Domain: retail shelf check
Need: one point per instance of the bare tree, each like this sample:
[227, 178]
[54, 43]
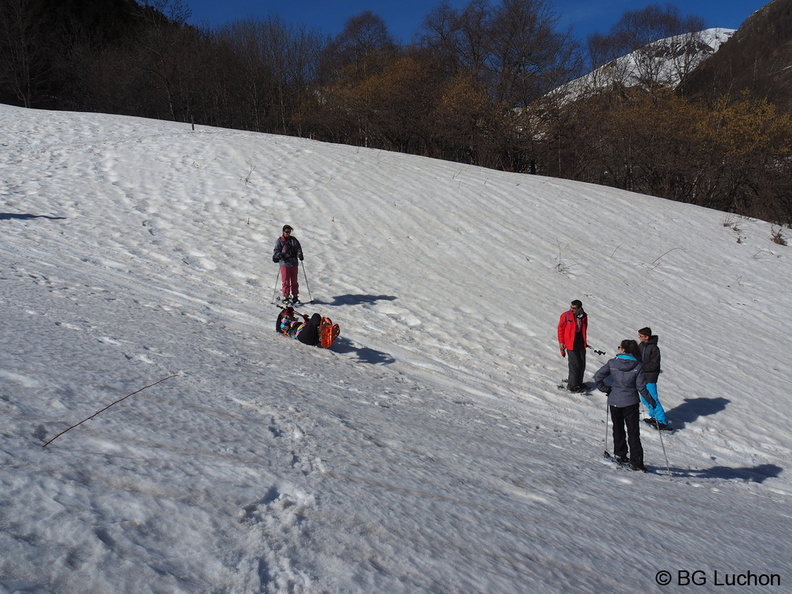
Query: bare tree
[293, 55]
[460, 37]
[24, 57]
[637, 33]
[173, 11]
[359, 50]
[278, 64]
[160, 43]
[686, 50]
[528, 58]
[513, 54]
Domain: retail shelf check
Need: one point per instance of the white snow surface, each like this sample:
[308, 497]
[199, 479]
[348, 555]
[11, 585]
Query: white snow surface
[430, 449]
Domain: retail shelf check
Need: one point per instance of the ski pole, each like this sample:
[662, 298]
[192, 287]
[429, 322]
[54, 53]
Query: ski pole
[660, 432]
[607, 410]
[310, 297]
[275, 289]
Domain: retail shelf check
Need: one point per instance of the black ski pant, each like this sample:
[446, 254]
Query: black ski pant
[629, 417]
[310, 332]
[577, 364]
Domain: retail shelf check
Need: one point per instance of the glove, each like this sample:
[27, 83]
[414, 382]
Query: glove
[300, 257]
[276, 259]
[563, 353]
[607, 390]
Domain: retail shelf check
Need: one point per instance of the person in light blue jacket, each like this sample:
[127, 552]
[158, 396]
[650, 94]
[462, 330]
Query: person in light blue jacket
[627, 382]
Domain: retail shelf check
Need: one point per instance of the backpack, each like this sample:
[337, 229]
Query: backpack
[328, 332]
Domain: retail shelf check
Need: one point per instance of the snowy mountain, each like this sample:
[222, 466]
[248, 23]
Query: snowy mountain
[666, 62]
[430, 449]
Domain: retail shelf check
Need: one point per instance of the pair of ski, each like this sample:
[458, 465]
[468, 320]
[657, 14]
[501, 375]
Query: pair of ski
[282, 303]
[622, 465]
[585, 389]
[652, 424]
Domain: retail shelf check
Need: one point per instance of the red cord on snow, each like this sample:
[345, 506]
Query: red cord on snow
[108, 406]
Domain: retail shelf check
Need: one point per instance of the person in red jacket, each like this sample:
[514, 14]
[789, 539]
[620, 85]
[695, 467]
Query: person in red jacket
[572, 327]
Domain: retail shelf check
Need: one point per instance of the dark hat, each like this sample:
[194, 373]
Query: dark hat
[647, 331]
[287, 228]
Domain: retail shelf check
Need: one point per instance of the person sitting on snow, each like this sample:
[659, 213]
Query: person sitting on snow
[299, 326]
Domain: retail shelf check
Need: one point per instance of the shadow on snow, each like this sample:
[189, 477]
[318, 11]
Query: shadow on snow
[6, 216]
[754, 474]
[364, 354]
[693, 408]
[354, 299]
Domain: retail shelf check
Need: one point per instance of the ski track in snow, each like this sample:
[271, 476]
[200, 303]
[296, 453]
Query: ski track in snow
[429, 450]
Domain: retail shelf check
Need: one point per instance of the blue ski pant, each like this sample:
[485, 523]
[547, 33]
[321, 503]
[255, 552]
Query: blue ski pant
[656, 412]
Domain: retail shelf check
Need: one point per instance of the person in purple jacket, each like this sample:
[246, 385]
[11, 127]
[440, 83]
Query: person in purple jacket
[626, 373]
[288, 253]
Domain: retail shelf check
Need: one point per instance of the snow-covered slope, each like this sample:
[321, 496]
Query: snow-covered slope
[665, 61]
[429, 450]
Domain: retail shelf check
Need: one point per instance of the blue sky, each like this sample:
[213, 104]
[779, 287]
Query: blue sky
[404, 17]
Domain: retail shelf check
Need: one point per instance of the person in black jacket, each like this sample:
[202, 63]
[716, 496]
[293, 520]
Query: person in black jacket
[627, 381]
[650, 357]
[288, 253]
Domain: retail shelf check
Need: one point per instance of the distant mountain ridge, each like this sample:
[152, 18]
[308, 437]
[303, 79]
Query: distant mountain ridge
[664, 62]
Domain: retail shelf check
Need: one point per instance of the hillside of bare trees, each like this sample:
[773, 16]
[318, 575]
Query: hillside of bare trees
[758, 59]
[477, 87]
